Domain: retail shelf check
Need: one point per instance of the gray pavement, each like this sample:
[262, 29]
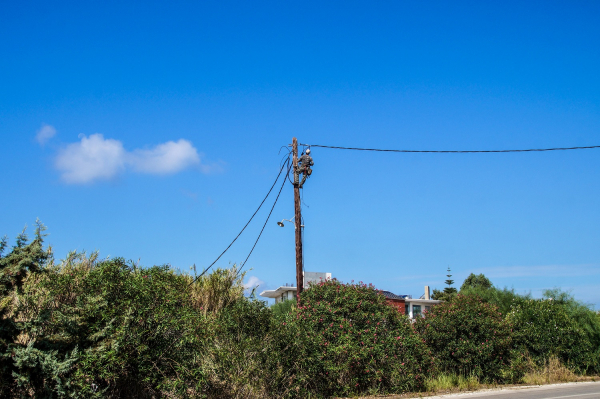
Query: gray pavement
[576, 390]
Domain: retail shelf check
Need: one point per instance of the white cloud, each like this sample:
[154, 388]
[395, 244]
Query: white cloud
[252, 283]
[93, 158]
[45, 133]
[169, 157]
[96, 158]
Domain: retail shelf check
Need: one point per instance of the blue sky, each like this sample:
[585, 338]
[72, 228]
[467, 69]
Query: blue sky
[152, 131]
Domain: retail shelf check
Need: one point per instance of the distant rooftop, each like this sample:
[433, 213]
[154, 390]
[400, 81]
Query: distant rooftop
[391, 295]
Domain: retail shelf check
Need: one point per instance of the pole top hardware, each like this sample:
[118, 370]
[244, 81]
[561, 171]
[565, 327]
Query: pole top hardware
[280, 224]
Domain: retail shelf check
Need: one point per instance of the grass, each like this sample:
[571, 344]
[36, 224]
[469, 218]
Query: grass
[553, 371]
[452, 382]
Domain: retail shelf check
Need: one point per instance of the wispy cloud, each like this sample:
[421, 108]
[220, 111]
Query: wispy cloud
[166, 158]
[45, 133]
[96, 158]
[541, 270]
[252, 283]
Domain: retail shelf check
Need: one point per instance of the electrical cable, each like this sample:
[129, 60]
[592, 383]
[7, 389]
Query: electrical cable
[264, 225]
[244, 228]
[454, 152]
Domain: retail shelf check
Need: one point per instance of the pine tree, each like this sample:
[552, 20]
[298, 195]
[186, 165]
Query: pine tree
[449, 282]
[449, 292]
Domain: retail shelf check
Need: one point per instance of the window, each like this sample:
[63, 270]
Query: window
[416, 310]
[407, 309]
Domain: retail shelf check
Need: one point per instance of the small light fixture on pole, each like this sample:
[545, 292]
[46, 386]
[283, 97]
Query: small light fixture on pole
[280, 224]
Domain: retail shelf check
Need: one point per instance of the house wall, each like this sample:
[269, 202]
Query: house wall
[418, 307]
[286, 295]
[397, 303]
[315, 278]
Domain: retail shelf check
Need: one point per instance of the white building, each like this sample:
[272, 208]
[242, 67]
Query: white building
[417, 307]
[411, 307]
[286, 292]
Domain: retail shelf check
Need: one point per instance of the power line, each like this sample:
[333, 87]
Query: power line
[266, 221]
[283, 165]
[453, 152]
[244, 228]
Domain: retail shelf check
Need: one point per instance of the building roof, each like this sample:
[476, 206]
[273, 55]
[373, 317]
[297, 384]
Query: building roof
[423, 301]
[391, 295]
[276, 293]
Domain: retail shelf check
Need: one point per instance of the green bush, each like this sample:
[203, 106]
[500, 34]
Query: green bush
[242, 360]
[283, 307]
[467, 337]
[107, 328]
[586, 318]
[23, 259]
[348, 341]
[543, 329]
[86, 327]
[505, 299]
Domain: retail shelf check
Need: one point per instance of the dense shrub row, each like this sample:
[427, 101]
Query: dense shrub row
[87, 327]
[468, 337]
[354, 342]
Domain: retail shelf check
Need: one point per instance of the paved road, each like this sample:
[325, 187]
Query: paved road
[578, 390]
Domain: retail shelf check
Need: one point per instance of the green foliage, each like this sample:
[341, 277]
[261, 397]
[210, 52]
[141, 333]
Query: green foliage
[352, 341]
[107, 328]
[447, 382]
[583, 314]
[476, 281]
[543, 329]
[92, 328]
[442, 295]
[467, 337]
[216, 291]
[504, 299]
[283, 307]
[559, 327]
[15, 267]
[243, 359]
[24, 258]
[130, 328]
[449, 290]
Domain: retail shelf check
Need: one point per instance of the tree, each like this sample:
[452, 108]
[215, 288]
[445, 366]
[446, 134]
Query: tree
[441, 295]
[23, 259]
[476, 281]
[467, 337]
[448, 293]
[543, 328]
[346, 340]
[449, 282]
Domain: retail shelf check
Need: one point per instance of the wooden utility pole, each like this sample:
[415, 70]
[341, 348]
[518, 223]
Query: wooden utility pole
[298, 221]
